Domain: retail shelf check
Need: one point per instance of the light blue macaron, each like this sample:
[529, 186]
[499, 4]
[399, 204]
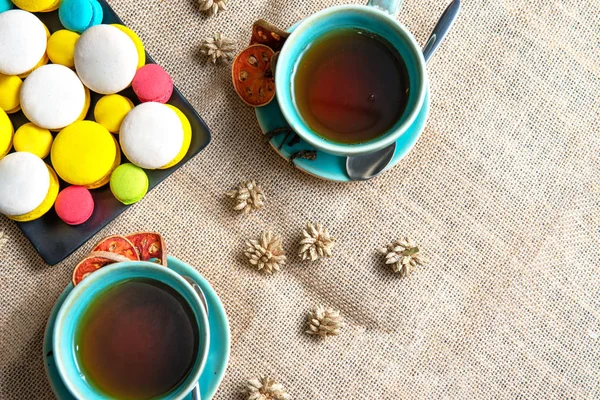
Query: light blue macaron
[98, 13]
[79, 15]
[5, 5]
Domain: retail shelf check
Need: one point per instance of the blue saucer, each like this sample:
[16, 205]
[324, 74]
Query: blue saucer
[328, 166]
[218, 354]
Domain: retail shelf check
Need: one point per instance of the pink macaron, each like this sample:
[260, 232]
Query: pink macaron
[74, 205]
[152, 84]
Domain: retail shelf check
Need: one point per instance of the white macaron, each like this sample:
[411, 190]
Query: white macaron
[151, 135]
[24, 183]
[23, 42]
[52, 97]
[106, 59]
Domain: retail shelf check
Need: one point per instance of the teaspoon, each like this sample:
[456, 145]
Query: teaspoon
[367, 166]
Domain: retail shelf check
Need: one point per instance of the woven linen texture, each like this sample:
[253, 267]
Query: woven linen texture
[501, 192]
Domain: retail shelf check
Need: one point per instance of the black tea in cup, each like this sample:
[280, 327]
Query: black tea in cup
[351, 86]
[138, 340]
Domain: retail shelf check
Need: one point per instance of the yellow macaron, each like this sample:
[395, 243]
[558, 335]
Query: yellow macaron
[37, 5]
[30, 137]
[6, 134]
[86, 105]
[10, 89]
[61, 47]
[46, 204]
[187, 137]
[139, 46]
[85, 154]
[110, 111]
[53, 7]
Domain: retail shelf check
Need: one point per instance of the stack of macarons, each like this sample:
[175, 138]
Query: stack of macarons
[49, 78]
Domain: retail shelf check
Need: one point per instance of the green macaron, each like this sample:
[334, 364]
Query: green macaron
[129, 183]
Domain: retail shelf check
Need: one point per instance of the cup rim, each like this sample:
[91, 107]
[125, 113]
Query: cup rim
[98, 275]
[345, 149]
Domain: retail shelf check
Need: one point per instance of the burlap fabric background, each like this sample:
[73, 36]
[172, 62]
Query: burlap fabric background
[501, 191]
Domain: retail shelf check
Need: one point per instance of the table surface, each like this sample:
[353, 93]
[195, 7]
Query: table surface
[501, 192]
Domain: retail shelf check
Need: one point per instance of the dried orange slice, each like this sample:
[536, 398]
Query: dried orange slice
[264, 32]
[253, 79]
[93, 262]
[150, 246]
[119, 245]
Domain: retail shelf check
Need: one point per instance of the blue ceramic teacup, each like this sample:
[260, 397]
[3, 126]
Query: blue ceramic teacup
[379, 17]
[85, 293]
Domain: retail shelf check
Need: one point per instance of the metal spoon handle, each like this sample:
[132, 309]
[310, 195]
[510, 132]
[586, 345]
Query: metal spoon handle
[194, 284]
[441, 29]
[196, 393]
[197, 289]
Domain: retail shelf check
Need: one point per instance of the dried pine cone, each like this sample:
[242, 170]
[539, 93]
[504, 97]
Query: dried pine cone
[316, 242]
[3, 239]
[403, 255]
[324, 322]
[218, 48]
[266, 253]
[248, 197]
[265, 388]
[212, 6]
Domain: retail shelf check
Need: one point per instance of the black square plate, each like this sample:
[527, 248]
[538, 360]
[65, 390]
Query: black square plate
[53, 239]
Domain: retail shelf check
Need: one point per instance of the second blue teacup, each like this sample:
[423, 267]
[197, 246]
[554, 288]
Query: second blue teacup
[131, 330]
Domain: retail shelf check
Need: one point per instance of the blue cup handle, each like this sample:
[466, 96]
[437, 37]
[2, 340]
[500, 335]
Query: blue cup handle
[392, 7]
